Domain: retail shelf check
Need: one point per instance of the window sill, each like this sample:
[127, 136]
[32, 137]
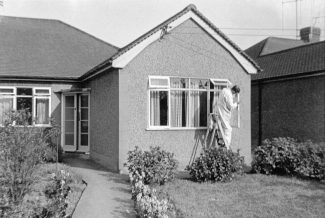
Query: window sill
[175, 128]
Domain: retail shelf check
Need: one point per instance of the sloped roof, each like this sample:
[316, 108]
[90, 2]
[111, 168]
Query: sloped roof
[42, 48]
[159, 27]
[304, 59]
[272, 44]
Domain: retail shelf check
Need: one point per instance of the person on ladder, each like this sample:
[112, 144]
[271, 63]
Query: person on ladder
[224, 108]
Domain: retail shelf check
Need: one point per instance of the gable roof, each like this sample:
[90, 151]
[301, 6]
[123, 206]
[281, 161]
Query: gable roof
[42, 48]
[127, 53]
[304, 59]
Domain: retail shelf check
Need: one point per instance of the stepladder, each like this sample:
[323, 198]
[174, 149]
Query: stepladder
[214, 132]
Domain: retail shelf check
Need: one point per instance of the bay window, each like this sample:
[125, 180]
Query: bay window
[37, 101]
[177, 102]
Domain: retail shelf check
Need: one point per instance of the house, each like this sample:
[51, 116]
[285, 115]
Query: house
[288, 96]
[156, 91]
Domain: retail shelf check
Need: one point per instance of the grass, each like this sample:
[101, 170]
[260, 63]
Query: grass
[42, 177]
[250, 195]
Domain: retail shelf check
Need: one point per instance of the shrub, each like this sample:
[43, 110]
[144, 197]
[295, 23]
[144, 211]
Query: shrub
[146, 201]
[278, 155]
[157, 165]
[287, 156]
[311, 161]
[216, 164]
[21, 150]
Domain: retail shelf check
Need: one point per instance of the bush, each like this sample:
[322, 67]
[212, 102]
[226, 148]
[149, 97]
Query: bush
[146, 201]
[216, 164]
[287, 156]
[157, 165]
[21, 150]
[311, 161]
[276, 156]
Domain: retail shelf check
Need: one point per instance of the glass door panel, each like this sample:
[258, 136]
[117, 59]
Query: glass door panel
[70, 123]
[83, 122]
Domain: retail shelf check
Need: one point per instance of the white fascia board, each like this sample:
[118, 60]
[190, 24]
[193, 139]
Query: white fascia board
[124, 59]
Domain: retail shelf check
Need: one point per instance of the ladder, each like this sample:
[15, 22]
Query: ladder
[214, 127]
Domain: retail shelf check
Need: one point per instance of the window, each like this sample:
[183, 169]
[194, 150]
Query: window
[176, 102]
[35, 100]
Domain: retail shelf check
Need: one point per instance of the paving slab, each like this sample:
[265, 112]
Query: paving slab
[107, 194]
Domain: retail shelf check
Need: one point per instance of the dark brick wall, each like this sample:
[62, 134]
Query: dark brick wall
[293, 108]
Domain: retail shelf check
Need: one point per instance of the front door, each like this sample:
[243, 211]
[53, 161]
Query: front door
[75, 126]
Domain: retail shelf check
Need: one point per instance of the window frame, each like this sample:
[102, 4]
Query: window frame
[34, 96]
[208, 90]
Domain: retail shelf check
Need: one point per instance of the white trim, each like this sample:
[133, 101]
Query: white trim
[175, 128]
[125, 58]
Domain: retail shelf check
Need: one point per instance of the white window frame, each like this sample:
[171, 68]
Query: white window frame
[34, 96]
[189, 108]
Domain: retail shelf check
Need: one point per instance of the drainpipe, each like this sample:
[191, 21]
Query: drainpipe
[260, 116]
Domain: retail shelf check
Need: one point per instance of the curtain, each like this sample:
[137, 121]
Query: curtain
[6, 104]
[42, 111]
[154, 108]
[195, 105]
[178, 104]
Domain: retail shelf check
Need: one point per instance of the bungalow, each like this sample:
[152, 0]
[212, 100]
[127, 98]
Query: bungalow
[156, 91]
[288, 97]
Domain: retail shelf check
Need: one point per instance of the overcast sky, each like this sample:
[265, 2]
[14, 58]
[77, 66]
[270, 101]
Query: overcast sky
[121, 21]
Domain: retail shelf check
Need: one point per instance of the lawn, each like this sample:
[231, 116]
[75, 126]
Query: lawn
[250, 195]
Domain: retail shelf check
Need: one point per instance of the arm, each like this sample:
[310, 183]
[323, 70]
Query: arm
[230, 104]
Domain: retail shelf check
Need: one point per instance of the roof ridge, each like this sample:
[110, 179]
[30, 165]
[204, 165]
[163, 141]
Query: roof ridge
[293, 48]
[84, 32]
[30, 18]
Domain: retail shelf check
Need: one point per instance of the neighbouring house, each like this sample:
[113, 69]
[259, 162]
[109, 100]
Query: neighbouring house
[288, 96]
[156, 91]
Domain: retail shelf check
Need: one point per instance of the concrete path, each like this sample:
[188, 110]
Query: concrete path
[107, 194]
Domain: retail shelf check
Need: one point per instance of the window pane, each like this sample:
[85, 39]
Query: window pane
[203, 109]
[158, 108]
[84, 114]
[159, 81]
[69, 101]
[69, 139]
[198, 110]
[84, 100]
[84, 126]
[25, 104]
[69, 114]
[7, 90]
[42, 91]
[199, 83]
[179, 104]
[69, 126]
[179, 83]
[6, 105]
[24, 91]
[42, 111]
[84, 139]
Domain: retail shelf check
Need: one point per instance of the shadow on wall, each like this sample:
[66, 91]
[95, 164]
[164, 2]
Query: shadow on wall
[199, 144]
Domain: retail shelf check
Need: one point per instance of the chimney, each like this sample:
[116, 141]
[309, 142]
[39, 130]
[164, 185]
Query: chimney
[310, 34]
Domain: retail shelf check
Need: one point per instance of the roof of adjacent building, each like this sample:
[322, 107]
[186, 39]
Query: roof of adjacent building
[137, 41]
[280, 57]
[42, 48]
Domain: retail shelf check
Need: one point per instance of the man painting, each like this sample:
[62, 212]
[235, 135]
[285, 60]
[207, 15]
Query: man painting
[225, 106]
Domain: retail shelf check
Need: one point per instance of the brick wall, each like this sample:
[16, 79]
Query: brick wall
[290, 108]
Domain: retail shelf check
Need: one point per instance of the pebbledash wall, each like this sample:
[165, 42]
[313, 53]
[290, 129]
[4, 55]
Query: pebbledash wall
[174, 55]
[104, 119]
[289, 108]
[56, 87]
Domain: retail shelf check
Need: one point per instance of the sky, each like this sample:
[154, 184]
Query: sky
[119, 22]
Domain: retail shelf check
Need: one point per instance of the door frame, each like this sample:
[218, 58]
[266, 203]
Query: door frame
[79, 123]
[76, 122]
